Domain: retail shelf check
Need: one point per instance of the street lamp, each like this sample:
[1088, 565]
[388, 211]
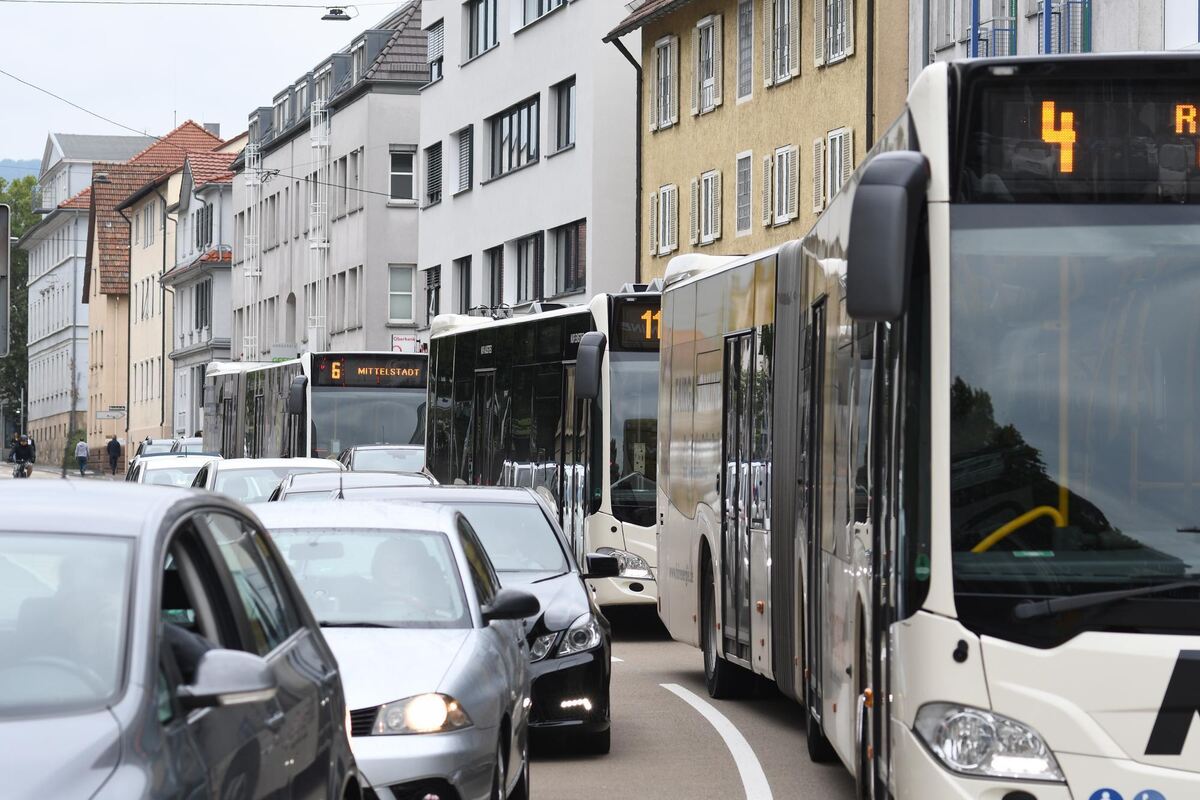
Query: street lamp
[336, 15]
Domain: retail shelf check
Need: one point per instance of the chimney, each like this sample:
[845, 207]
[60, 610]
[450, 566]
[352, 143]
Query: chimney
[214, 128]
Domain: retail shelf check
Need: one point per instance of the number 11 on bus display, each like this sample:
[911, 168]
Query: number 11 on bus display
[653, 320]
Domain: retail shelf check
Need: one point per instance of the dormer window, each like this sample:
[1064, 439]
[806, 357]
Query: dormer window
[322, 85]
[357, 61]
[302, 99]
[280, 115]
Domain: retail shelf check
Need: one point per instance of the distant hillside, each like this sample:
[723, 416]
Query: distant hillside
[19, 167]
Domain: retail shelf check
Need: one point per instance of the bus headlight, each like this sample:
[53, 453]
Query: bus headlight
[979, 743]
[632, 566]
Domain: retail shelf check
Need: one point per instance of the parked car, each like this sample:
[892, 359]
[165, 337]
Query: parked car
[168, 469]
[154, 645]
[330, 486]
[190, 444]
[384, 458]
[570, 641]
[252, 480]
[149, 447]
[430, 646]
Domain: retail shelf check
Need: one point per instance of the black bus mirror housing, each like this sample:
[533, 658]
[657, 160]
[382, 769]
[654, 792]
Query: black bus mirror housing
[587, 365]
[884, 221]
[296, 392]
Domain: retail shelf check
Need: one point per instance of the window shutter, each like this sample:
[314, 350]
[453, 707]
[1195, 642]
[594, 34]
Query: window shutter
[848, 22]
[653, 93]
[768, 50]
[465, 152]
[715, 206]
[695, 73]
[793, 182]
[653, 237]
[673, 217]
[794, 36]
[673, 86]
[767, 194]
[847, 155]
[717, 59]
[818, 166]
[694, 219]
[435, 43]
[819, 32]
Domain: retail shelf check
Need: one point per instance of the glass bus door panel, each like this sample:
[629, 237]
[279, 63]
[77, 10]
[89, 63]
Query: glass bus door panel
[812, 392]
[575, 465]
[735, 495]
[483, 449]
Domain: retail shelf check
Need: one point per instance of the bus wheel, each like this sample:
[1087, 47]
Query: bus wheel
[819, 748]
[724, 680]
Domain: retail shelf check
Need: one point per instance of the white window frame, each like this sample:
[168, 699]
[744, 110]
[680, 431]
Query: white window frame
[667, 235]
[400, 150]
[745, 60]
[781, 38]
[779, 173]
[835, 155]
[709, 226]
[836, 48]
[665, 92]
[412, 270]
[748, 157]
[706, 68]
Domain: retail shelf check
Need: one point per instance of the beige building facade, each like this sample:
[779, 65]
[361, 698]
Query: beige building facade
[753, 114]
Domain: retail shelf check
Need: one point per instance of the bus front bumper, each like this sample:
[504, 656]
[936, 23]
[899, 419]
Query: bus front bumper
[624, 591]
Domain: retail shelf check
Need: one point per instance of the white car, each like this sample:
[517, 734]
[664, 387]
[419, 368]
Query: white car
[169, 469]
[251, 480]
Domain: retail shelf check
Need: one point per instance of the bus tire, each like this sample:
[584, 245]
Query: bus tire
[723, 679]
[820, 751]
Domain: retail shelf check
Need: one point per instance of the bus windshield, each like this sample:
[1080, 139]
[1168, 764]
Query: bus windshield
[1075, 365]
[343, 418]
[634, 444]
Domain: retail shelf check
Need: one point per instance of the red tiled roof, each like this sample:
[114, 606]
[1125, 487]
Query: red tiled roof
[648, 11]
[173, 148]
[107, 227]
[210, 168]
[83, 200]
[224, 254]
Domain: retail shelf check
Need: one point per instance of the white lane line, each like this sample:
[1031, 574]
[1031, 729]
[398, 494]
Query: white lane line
[614, 658]
[754, 780]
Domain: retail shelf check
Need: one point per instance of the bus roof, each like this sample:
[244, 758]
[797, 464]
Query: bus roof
[447, 324]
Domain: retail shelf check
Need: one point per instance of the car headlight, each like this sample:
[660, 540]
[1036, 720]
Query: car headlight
[632, 566]
[425, 713]
[584, 634]
[541, 646]
[981, 743]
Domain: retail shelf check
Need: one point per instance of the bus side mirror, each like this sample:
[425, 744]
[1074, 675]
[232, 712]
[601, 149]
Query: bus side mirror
[296, 392]
[883, 235]
[587, 365]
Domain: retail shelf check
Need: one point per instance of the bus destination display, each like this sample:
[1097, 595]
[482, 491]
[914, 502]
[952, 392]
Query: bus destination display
[637, 325]
[364, 371]
[1087, 141]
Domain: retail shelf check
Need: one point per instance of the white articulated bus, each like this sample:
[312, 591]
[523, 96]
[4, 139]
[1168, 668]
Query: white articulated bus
[506, 410]
[934, 469]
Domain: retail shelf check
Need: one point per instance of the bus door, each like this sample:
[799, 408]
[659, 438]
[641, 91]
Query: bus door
[483, 445]
[574, 489]
[738, 375]
[812, 384]
[256, 435]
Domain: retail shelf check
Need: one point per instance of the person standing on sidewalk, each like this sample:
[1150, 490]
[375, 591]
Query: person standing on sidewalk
[114, 453]
[81, 455]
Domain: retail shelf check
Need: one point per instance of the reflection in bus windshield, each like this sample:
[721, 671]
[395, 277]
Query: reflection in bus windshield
[634, 444]
[344, 418]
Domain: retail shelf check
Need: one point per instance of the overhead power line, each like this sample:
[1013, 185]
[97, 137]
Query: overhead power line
[197, 3]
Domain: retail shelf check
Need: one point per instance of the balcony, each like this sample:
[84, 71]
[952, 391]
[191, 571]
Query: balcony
[42, 199]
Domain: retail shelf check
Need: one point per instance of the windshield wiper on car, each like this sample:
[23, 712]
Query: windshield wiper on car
[1188, 529]
[354, 625]
[1032, 609]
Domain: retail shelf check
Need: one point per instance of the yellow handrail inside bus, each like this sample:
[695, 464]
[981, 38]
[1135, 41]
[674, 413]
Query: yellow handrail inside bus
[1003, 531]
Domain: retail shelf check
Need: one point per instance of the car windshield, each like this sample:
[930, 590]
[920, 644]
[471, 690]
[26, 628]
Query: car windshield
[1074, 394]
[390, 459]
[634, 446]
[369, 577]
[516, 536]
[310, 496]
[155, 449]
[171, 476]
[63, 611]
[253, 485]
[344, 418]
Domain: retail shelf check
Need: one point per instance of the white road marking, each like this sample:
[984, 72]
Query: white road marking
[754, 780]
[614, 658]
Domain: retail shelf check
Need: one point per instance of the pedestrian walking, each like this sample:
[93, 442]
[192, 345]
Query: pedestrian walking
[114, 453]
[81, 455]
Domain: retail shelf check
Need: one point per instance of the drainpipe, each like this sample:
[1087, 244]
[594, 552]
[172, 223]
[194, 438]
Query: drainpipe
[871, 74]
[637, 200]
[128, 340]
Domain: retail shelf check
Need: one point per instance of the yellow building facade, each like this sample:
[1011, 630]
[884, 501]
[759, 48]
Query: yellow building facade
[754, 112]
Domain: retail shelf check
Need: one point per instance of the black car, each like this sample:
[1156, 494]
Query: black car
[328, 485]
[570, 640]
[154, 645]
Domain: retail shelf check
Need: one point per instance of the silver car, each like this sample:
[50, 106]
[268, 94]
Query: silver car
[251, 480]
[432, 651]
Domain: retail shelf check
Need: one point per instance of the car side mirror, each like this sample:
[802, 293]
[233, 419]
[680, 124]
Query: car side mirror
[296, 392]
[599, 566]
[587, 365]
[884, 223]
[229, 678]
[511, 604]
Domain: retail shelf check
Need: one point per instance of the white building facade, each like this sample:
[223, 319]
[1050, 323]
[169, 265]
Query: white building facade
[325, 231]
[528, 162]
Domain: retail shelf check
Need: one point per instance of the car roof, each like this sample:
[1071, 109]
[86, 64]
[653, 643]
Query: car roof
[180, 460]
[102, 508]
[387, 447]
[272, 463]
[352, 480]
[340, 516]
[449, 493]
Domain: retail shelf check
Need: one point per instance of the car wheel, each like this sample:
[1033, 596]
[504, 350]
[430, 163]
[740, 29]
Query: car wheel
[522, 790]
[500, 775]
[597, 744]
[722, 678]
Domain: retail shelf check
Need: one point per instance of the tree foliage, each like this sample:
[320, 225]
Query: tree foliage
[14, 369]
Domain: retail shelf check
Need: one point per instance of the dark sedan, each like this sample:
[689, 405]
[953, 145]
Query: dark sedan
[570, 640]
[153, 644]
[329, 485]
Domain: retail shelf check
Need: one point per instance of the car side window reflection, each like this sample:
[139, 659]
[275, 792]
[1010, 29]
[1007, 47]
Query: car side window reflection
[482, 575]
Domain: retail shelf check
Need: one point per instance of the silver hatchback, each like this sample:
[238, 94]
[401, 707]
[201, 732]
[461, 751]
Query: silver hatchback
[432, 651]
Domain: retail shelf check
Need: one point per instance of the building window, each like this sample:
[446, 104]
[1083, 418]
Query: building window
[435, 43]
[705, 224]
[462, 280]
[202, 230]
[745, 66]
[514, 135]
[433, 292]
[400, 293]
[664, 220]
[743, 192]
[481, 26]
[433, 174]
[564, 114]
[837, 27]
[495, 267]
[357, 62]
[570, 257]
[466, 157]
[202, 300]
[706, 65]
[529, 268]
[840, 160]
[539, 8]
[781, 39]
[664, 92]
[402, 178]
[784, 180]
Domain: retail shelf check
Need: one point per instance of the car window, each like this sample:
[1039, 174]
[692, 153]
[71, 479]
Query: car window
[398, 459]
[173, 476]
[201, 479]
[482, 574]
[517, 536]
[263, 598]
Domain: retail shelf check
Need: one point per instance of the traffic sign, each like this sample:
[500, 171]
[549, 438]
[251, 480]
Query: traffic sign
[109, 414]
[122, 409]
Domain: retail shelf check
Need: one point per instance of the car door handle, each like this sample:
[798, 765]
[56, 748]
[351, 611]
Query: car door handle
[276, 720]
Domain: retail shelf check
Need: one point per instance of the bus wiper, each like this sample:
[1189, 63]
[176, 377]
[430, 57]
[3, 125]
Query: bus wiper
[1189, 529]
[353, 625]
[1031, 609]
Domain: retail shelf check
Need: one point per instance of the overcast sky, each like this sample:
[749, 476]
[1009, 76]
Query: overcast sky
[151, 67]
